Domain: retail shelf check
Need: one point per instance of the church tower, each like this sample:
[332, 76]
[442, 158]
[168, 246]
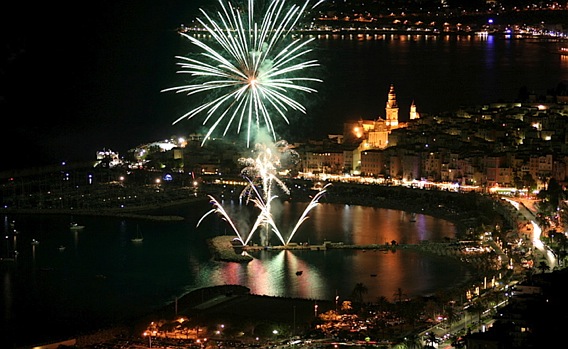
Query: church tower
[392, 109]
[413, 113]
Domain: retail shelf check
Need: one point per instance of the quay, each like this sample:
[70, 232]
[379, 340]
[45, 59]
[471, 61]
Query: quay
[225, 248]
[327, 245]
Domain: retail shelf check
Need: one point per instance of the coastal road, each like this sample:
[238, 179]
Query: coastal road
[541, 252]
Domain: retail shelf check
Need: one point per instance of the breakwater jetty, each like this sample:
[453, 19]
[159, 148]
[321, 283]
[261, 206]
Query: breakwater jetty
[327, 245]
[118, 213]
[481, 256]
[227, 248]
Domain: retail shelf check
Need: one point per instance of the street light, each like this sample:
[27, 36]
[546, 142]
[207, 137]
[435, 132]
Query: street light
[149, 335]
[294, 328]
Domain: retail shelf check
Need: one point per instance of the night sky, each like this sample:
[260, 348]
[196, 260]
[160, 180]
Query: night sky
[75, 79]
[80, 78]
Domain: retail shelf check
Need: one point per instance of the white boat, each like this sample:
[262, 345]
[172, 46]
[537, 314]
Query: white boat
[75, 226]
[61, 248]
[138, 237]
[35, 242]
[412, 217]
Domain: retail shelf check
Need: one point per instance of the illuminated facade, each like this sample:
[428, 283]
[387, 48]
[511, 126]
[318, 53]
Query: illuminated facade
[372, 163]
[358, 150]
[413, 113]
[378, 137]
[108, 158]
[374, 134]
[323, 161]
[391, 109]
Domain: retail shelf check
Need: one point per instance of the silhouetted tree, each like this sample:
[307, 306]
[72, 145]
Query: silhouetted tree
[554, 191]
[543, 267]
[430, 339]
[399, 296]
[523, 94]
[383, 304]
[451, 314]
[477, 308]
[358, 292]
[412, 341]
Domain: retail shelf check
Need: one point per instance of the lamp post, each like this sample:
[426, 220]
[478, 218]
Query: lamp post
[149, 335]
[294, 328]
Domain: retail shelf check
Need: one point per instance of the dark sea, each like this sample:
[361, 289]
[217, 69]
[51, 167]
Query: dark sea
[72, 281]
[101, 276]
[437, 73]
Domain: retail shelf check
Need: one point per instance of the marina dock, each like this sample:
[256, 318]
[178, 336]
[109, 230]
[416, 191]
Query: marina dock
[327, 245]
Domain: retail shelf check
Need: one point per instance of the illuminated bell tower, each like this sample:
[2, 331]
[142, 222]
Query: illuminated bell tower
[413, 113]
[392, 109]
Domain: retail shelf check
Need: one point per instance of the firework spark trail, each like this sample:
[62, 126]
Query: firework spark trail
[251, 66]
[263, 166]
[218, 208]
[265, 217]
[304, 215]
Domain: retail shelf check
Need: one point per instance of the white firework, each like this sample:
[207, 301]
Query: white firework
[250, 67]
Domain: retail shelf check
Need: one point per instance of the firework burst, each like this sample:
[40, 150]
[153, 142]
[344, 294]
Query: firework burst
[261, 195]
[249, 68]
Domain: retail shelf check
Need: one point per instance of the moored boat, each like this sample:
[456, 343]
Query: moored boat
[75, 226]
[412, 217]
[138, 237]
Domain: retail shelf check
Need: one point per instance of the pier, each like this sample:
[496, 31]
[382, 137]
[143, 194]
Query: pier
[327, 245]
[225, 248]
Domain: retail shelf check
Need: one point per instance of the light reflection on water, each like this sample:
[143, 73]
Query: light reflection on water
[102, 275]
[327, 273]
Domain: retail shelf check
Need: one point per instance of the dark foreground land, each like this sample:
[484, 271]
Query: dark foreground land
[207, 309]
[234, 304]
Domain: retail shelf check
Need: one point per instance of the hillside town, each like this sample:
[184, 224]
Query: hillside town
[512, 148]
[516, 145]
